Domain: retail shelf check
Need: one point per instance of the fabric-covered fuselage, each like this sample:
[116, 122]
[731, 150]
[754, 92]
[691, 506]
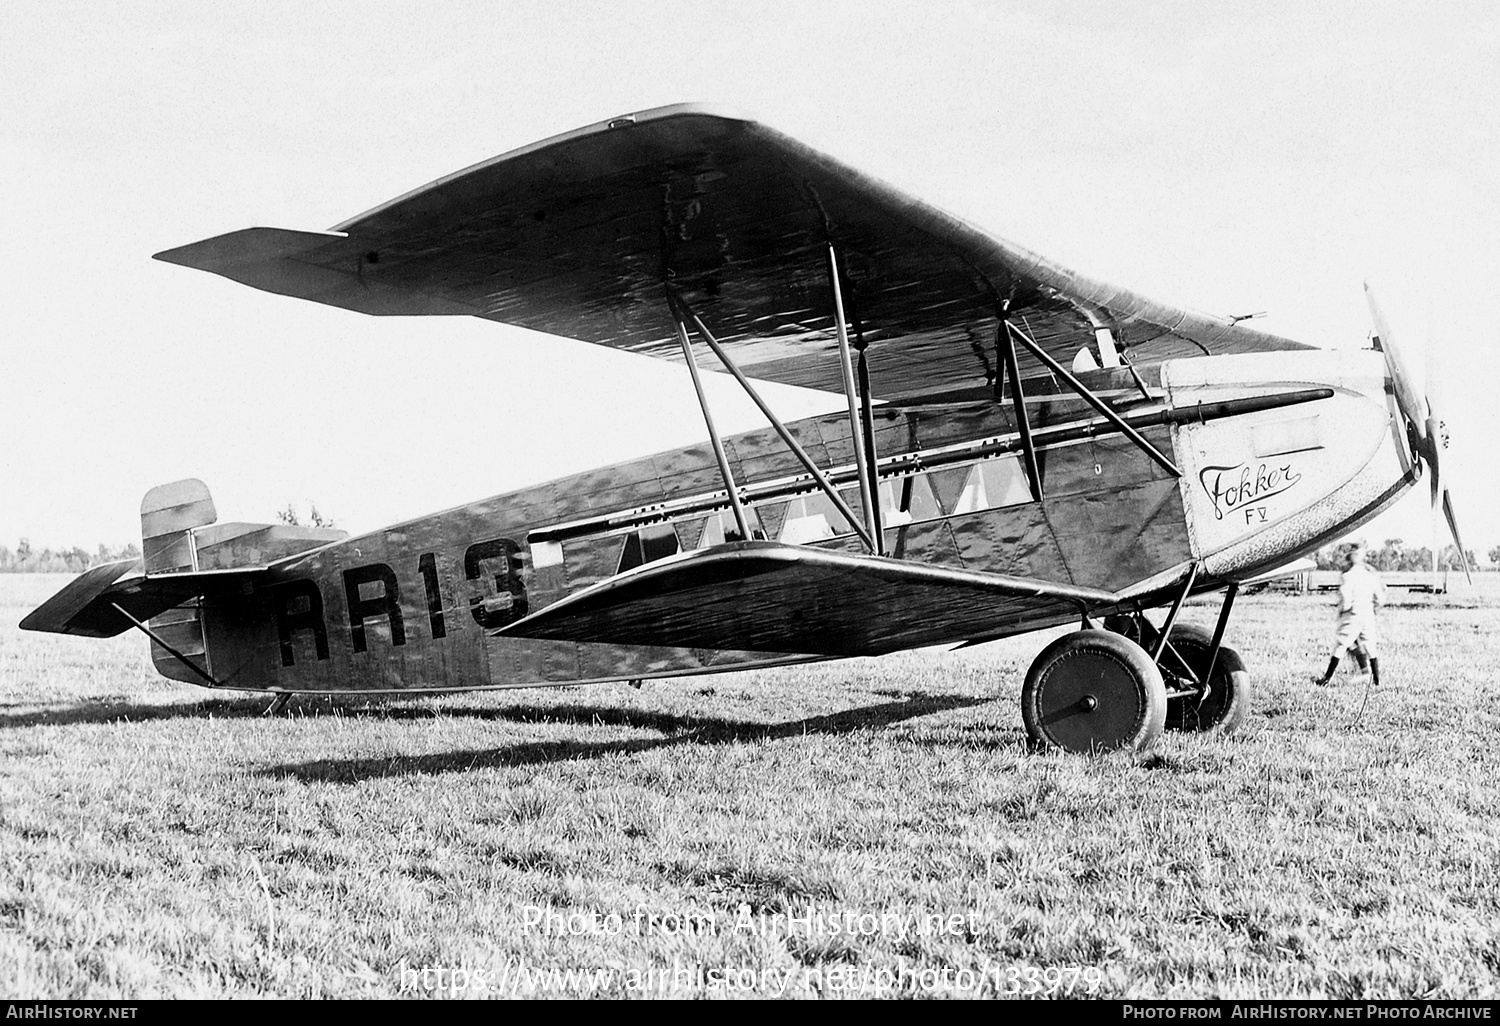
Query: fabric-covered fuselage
[414, 606]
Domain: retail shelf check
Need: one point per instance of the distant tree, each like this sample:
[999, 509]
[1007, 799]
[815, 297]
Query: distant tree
[1394, 557]
[29, 560]
[314, 517]
[1389, 556]
[1495, 556]
[1415, 560]
[1330, 557]
[1448, 558]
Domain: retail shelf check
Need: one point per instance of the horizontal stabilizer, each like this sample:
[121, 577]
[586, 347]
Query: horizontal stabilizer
[86, 607]
[770, 597]
[185, 555]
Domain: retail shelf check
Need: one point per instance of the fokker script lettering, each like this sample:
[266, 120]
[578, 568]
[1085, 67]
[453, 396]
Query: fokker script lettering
[1229, 488]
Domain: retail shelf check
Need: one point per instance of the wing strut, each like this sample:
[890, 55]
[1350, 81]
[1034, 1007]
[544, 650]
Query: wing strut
[867, 415]
[877, 524]
[708, 418]
[1018, 396]
[775, 421]
[1139, 382]
[856, 434]
[1093, 400]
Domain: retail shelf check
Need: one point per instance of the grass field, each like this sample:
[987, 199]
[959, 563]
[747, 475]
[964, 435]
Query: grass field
[158, 840]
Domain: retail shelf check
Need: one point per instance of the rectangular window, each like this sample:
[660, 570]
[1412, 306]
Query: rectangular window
[907, 500]
[724, 528]
[992, 484]
[1005, 481]
[811, 518]
[546, 553]
[647, 546]
[1286, 436]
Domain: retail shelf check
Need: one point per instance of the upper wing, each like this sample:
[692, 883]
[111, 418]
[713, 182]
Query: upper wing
[769, 597]
[576, 235]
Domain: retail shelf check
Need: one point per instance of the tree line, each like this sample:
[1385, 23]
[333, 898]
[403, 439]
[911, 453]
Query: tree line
[28, 560]
[1394, 556]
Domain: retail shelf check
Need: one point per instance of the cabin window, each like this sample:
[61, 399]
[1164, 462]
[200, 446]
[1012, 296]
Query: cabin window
[814, 517]
[724, 528]
[648, 545]
[908, 500]
[546, 553]
[992, 484]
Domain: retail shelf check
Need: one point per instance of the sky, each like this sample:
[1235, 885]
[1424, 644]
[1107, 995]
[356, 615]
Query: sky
[1230, 158]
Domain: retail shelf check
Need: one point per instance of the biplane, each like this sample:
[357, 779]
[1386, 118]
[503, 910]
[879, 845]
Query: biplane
[1018, 447]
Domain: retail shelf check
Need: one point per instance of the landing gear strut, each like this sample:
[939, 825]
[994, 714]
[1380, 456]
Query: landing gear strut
[1218, 708]
[1208, 685]
[1118, 688]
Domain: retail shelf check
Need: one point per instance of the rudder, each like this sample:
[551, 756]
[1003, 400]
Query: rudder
[169, 513]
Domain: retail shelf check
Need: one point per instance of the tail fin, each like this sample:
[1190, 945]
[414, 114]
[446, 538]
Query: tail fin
[169, 513]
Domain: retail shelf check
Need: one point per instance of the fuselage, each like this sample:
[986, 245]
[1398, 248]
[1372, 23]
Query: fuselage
[414, 606]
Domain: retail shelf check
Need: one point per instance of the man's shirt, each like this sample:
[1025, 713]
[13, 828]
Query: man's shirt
[1359, 591]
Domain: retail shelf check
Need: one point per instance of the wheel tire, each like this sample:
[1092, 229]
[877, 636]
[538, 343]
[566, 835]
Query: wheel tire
[1228, 701]
[1093, 691]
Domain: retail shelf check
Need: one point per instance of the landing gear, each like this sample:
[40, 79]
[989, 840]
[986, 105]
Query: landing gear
[1207, 694]
[1093, 691]
[1226, 702]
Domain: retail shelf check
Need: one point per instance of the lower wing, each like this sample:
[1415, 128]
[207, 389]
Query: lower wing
[770, 597]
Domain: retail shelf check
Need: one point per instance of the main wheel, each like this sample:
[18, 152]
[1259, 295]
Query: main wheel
[1093, 691]
[1227, 703]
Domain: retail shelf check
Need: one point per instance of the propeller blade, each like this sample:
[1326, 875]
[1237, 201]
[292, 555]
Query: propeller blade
[1435, 442]
[1463, 556]
[1408, 399]
[1421, 413]
[1435, 434]
[1432, 446]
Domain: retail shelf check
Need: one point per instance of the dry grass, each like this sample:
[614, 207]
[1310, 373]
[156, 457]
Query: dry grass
[156, 840]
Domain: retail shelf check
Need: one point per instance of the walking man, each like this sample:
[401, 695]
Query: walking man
[1360, 592]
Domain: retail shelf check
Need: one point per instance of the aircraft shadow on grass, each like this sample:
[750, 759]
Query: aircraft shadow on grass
[120, 709]
[690, 730]
[677, 728]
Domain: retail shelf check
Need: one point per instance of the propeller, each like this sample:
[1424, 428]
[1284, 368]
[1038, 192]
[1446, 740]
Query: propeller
[1425, 428]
